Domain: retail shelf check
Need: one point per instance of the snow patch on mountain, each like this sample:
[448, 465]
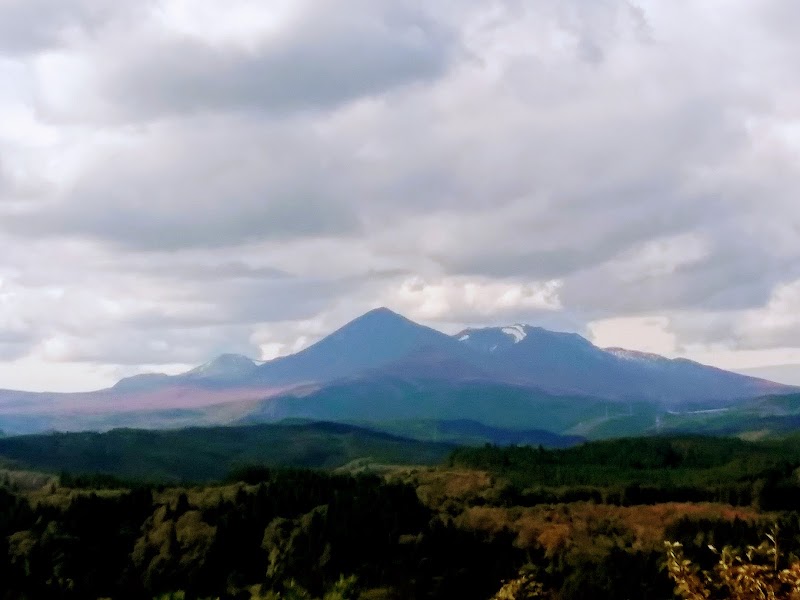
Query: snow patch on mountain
[517, 332]
[635, 355]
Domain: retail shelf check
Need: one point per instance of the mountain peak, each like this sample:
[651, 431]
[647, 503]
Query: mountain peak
[382, 313]
[378, 321]
[382, 310]
[372, 340]
[225, 365]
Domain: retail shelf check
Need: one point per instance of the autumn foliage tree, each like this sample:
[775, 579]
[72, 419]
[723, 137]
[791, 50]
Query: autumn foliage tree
[757, 573]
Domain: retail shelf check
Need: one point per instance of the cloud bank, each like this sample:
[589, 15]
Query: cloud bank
[179, 179]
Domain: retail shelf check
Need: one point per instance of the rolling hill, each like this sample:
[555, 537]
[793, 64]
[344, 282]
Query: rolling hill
[208, 454]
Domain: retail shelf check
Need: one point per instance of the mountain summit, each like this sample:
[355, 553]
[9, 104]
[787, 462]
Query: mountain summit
[374, 339]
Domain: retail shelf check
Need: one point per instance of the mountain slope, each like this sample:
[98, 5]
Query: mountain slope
[568, 363]
[219, 372]
[380, 398]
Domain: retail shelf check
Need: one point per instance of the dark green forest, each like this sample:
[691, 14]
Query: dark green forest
[647, 471]
[209, 454]
[586, 522]
[284, 529]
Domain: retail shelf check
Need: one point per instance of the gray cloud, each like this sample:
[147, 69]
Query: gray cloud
[323, 63]
[34, 25]
[212, 189]
[221, 271]
[15, 344]
[224, 183]
[6, 185]
[324, 57]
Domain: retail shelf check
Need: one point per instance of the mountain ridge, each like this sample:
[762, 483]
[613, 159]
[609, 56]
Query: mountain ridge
[372, 355]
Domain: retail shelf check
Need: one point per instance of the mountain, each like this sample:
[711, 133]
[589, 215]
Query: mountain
[382, 342]
[225, 366]
[143, 382]
[373, 340]
[568, 363]
[225, 369]
[383, 367]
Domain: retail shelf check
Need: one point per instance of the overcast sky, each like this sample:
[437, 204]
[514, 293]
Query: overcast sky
[181, 178]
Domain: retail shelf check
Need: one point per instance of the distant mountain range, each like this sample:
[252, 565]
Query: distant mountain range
[382, 367]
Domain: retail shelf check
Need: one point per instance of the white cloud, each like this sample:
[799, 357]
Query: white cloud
[647, 334]
[461, 300]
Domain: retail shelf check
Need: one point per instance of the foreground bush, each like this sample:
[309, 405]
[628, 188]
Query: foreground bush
[757, 573]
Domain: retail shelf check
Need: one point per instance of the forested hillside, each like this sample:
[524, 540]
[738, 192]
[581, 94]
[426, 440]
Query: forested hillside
[236, 541]
[207, 454]
[587, 522]
[648, 471]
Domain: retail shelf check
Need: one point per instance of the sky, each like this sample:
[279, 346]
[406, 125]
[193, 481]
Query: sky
[182, 178]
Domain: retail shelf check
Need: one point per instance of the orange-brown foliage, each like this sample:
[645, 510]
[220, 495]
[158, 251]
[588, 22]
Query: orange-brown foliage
[552, 526]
